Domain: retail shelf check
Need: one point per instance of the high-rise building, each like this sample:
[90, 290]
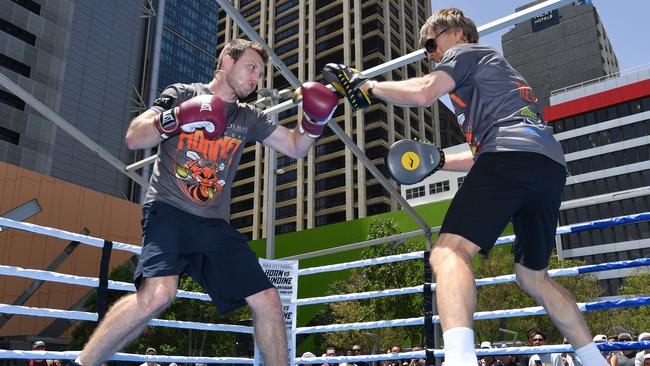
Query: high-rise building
[81, 59]
[101, 76]
[329, 185]
[189, 42]
[562, 47]
[33, 44]
[97, 64]
[604, 128]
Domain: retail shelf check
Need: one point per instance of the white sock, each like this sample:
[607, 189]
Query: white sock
[590, 355]
[459, 347]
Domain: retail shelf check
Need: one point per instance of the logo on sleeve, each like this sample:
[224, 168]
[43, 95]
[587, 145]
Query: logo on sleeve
[164, 102]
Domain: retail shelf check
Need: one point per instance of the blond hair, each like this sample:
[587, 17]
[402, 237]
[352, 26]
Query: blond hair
[450, 18]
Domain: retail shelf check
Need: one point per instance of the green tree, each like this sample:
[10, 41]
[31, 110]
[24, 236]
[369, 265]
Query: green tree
[173, 341]
[379, 277]
[510, 296]
[633, 320]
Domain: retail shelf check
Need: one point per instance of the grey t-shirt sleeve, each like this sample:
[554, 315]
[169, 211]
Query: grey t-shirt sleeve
[458, 63]
[169, 98]
[261, 125]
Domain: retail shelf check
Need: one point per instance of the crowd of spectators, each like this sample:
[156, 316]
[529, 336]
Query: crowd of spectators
[535, 337]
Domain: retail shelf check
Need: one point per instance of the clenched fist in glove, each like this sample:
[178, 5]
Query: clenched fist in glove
[204, 111]
[347, 81]
[318, 106]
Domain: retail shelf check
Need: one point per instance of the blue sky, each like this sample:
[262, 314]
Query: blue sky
[626, 23]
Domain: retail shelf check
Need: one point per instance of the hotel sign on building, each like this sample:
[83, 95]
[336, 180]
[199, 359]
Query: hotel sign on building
[545, 20]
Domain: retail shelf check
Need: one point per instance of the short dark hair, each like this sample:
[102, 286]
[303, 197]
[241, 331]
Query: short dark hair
[539, 332]
[236, 47]
[531, 332]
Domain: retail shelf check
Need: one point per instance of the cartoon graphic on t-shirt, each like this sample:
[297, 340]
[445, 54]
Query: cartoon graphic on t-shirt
[200, 176]
[201, 166]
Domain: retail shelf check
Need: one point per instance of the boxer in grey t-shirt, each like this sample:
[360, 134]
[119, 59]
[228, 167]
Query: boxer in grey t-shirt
[516, 172]
[201, 130]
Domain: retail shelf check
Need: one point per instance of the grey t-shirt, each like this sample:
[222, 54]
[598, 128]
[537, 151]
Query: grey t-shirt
[496, 108]
[195, 174]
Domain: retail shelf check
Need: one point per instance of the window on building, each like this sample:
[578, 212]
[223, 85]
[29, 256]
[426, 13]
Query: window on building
[378, 208]
[439, 187]
[285, 228]
[331, 218]
[15, 65]
[460, 181]
[10, 136]
[11, 100]
[245, 205]
[415, 192]
[285, 211]
[30, 5]
[242, 190]
[242, 222]
[17, 32]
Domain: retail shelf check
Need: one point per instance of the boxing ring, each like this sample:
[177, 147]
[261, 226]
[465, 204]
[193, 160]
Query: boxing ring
[423, 289]
[427, 289]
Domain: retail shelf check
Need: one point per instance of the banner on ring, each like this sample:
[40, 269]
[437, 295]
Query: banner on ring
[283, 275]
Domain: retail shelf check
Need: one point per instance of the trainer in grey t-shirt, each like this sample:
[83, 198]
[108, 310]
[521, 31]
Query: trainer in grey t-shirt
[496, 108]
[195, 174]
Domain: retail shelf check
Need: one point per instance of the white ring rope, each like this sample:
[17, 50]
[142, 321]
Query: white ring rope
[362, 263]
[71, 355]
[84, 315]
[495, 314]
[560, 272]
[38, 274]
[62, 234]
[116, 285]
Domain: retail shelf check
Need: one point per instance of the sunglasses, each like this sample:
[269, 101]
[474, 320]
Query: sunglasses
[430, 46]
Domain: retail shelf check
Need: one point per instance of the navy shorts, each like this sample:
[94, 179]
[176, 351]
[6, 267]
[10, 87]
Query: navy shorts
[211, 251]
[522, 186]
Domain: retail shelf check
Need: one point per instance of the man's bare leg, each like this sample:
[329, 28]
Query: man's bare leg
[451, 261]
[557, 301]
[270, 332]
[127, 318]
[563, 311]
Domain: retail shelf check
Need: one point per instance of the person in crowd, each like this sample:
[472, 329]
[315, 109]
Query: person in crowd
[638, 360]
[624, 357]
[152, 352]
[41, 346]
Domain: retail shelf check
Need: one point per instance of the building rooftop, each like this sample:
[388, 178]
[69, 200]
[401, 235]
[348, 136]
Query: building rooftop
[603, 83]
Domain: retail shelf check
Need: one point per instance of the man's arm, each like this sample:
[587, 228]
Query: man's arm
[461, 162]
[289, 142]
[414, 92]
[141, 133]
[318, 104]
[206, 112]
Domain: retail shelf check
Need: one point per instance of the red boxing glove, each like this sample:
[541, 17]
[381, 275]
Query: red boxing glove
[204, 111]
[318, 105]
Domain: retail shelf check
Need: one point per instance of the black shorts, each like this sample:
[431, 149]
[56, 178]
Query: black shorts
[522, 186]
[211, 251]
